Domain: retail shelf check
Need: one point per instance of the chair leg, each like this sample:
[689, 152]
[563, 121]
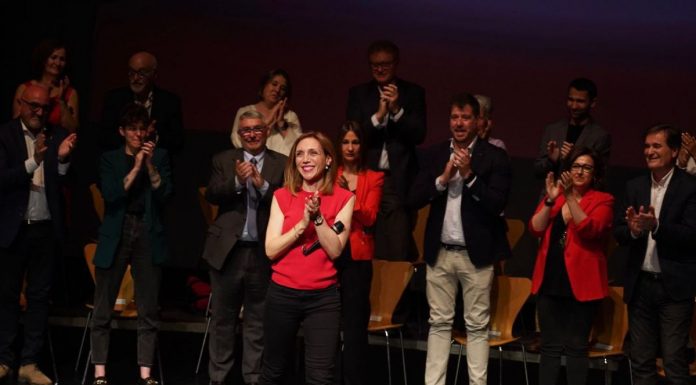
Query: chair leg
[386, 334]
[630, 369]
[82, 342]
[403, 355]
[159, 366]
[607, 374]
[53, 356]
[459, 360]
[524, 361]
[84, 374]
[500, 365]
[205, 338]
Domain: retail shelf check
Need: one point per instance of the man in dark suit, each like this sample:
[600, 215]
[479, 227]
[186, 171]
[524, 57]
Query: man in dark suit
[579, 129]
[391, 112]
[467, 182]
[163, 106]
[33, 160]
[242, 184]
[659, 226]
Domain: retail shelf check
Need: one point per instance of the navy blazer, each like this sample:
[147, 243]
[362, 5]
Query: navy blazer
[113, 168]
[481, 206]
[15, 182]
[675, 237]
[401, 137]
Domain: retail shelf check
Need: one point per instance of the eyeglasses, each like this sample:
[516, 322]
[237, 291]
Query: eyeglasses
[140, 73]
[577, 167]
[249, 130]
[35, 107]
[382, 65]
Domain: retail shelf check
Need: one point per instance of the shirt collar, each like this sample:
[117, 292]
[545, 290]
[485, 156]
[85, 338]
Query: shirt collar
[470, 146]
[26, 130]
[259, 156]
[662, 182]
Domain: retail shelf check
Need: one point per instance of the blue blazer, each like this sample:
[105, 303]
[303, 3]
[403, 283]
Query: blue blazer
[113, 168]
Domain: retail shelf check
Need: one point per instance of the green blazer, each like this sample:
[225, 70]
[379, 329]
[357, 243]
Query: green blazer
[112, 169]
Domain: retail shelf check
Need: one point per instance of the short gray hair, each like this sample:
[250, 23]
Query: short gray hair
[486, 104]
[251, 114]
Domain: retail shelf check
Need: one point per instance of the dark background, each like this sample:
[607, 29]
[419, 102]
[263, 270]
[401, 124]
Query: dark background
[212, 53]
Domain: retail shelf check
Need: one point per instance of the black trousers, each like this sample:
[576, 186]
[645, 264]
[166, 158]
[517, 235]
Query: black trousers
[658, 323]
[565, 325]
[356, 279]
[394, 226]
[32, 254]
[319, 313]
[242, 280]
[134, 249]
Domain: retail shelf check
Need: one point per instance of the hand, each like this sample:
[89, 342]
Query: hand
[683, 156]
[565, 182]
[256, 178]
[646, 218]
[390, 93]
[243, 170]
[312, 204]
[147, 149]
[151, 127]
[66, 146]
[689, 143]
[462, 161]
[566, 149]
[553, 150]
[343, 182]
[60, 86]
[632, 221]
[40, 148]
[382, 109]
[553, 189]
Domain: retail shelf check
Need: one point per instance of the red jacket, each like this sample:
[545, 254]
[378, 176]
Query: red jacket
[586, 245]
[368, 194]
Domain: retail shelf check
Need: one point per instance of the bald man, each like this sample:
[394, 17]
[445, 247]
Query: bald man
[163, 106]
[33, 160]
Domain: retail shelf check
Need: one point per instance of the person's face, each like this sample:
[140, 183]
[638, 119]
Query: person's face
[383, 66]
[658, 156]
[252, 133]
[350, 148]
[141, 74]
[135, 135]
[34, 108]
[582, 171]
[463, 124]
[310, 159]
[275, 90]
[484, 124]
[55, 62]
[579, 105]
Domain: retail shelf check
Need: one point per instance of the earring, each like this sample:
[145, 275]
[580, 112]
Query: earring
[327, 167]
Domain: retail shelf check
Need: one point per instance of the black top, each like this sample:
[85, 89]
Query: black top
[135, 201]
[556, 281]
[573, 133]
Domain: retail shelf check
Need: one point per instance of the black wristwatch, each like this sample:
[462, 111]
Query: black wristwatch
[318, 220]
[549, 202]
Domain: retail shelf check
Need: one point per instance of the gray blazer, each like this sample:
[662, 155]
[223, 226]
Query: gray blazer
[593, 136]
[224, 233]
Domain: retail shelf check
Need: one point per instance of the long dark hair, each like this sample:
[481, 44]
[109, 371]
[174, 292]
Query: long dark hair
[351, 125]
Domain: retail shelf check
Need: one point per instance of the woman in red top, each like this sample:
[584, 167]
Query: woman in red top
[355, 265]
[49, 70]
[570, 276]
[303, 239]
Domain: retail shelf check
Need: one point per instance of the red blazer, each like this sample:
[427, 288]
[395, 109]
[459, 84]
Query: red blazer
[368, 194]
[586, 245]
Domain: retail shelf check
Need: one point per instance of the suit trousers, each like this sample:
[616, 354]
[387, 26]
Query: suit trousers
[453, 267]
[32, 254]
[135, 250]
[318, 312]
[394, 226]
[658, 323]
[356, 280]
[243, 280]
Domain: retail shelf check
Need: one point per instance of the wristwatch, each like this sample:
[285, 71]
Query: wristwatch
[549, 202]
[318, 220]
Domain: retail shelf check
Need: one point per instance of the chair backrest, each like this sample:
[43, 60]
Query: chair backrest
[419, 230]
[126, 294]
[209, 210]
[515, 231]
[389, 280]
[97, 201]
[508, 295]
[611, 322]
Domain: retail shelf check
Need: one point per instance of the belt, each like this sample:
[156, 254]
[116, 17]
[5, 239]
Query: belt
[242, 243]
[36, 222]
[449, 247]
[651, 275]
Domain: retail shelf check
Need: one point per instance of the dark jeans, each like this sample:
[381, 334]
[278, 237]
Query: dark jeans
[657, 322]
[242, 280]
[134, 249]
[32, 253]
[356, 279]
[565, 325]
[319, 313]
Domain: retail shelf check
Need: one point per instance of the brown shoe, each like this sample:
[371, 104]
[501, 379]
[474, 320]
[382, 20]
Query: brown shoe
[32, 375]
[5, 371]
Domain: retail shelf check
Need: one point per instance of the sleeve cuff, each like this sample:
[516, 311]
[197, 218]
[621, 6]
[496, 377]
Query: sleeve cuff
[438, 186]
[63, 168]
[30, 165]
[377, 123]
[398, 115]
[264, 188]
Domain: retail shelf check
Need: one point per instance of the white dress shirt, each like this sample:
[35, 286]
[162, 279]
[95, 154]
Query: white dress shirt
[651, 262]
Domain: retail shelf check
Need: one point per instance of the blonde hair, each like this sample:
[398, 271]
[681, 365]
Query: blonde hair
[293, 178]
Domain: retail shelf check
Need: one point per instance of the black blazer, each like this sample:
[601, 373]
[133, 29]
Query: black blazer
[229, 224]
[401, 137]
[166, 110]
[15, 182]
[482, 203]
[675, 236]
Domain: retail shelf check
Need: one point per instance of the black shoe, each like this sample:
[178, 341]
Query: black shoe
[147, 381]
[100, 381]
